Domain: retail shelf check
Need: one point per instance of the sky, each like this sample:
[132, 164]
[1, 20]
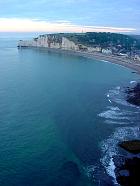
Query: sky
[121, 16]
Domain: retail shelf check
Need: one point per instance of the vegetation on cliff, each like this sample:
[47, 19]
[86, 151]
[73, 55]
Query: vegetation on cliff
[102, 39]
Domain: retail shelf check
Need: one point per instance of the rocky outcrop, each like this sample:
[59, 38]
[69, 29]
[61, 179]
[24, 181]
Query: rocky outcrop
[57, 41]
[133, 95]
[50, 41]
[131, 146]
[128, 166]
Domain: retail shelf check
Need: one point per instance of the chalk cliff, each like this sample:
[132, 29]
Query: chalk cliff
[107, 43]
[50, 41]
[57, 41]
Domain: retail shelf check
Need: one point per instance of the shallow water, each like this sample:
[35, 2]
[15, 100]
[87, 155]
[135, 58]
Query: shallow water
[56, 109]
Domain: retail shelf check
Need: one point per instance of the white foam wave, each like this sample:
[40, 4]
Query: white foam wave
[111, 169]
[124, 114]
[113, 114]
[118, 87]
[114, 108]
[132, 82]
[115, 122]
[109, 147]
[89, 170]
[117, 95]
[114, 91]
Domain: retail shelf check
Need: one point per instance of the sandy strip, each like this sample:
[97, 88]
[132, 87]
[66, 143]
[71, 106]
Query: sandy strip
[125, 62]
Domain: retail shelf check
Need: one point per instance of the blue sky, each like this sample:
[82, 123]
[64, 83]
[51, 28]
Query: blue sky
[70, 15]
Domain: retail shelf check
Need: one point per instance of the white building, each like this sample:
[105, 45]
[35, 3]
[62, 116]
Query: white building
[94, 49]
[107, 51]
[137, 58]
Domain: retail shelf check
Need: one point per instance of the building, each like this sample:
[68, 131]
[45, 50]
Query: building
[137, 58]
[107, 51]
[94, 49]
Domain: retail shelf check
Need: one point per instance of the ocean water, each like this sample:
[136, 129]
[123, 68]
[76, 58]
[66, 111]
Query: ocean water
[61, 117]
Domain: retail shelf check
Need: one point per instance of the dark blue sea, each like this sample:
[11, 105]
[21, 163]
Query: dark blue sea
[61, 117]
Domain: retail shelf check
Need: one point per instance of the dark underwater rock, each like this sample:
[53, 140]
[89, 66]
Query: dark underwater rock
[68, 175]
[133, 95]
[131, 146]
[71, 168]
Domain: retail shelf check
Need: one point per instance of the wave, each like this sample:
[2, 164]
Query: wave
[115, 122]
[89, 170]
[125, 119]
[118, 96]
[133, 82]
[109, 147]
[114, 113]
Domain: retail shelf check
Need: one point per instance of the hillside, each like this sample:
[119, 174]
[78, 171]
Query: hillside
[105, 40]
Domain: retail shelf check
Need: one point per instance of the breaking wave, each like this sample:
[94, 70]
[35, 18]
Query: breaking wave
[109, 147]
[125, 119]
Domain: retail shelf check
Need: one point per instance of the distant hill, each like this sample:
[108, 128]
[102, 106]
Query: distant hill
[104, 39]
[118, 43]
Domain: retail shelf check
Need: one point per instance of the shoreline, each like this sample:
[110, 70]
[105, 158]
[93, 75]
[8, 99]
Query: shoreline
[124, 62]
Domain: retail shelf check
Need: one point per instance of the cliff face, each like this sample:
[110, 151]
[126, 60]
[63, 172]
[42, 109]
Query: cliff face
[58, 41]
[90, 42]
[50, 41]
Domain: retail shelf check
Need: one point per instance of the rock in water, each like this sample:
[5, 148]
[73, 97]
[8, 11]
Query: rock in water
[131, 146]
[68, 175]
[129, 173]
[128, 167]
[133, 95]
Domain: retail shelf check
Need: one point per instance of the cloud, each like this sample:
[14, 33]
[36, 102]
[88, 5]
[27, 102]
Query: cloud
[118, 13]
[36, 25]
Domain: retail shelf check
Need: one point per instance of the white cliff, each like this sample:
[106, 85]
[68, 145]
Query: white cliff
[49, 41]
[69, 45]
[56, 41]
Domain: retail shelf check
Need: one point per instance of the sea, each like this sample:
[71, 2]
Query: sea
[61, 117]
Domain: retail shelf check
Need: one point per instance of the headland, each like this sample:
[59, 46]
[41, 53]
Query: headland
[120, 49]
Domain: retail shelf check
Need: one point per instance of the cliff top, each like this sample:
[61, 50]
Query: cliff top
[102, 39]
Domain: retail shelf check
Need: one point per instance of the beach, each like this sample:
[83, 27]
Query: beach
[126, 62]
